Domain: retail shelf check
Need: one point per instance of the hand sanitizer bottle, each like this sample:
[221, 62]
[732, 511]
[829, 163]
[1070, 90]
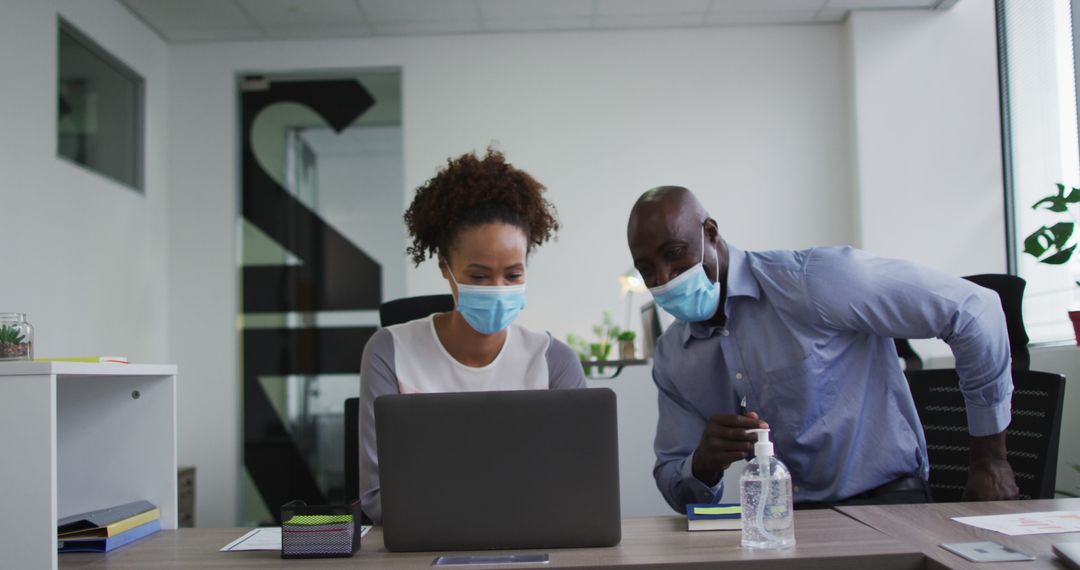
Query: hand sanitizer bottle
[765, 495]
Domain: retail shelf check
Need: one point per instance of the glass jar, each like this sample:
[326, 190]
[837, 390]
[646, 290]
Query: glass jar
[16, 337]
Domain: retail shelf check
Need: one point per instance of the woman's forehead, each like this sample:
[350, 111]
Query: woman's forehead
[504, 243]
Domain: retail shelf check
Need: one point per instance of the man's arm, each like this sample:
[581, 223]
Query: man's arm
[850, 289]
[678, 430]
[692, 452]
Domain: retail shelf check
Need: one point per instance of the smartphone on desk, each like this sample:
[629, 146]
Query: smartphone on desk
[491, 559]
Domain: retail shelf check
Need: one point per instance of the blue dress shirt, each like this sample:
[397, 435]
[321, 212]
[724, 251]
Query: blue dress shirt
[808, 345]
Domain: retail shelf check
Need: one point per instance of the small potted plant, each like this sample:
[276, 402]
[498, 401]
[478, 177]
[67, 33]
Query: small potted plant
[14, 342]
[580, 347]
[598, 351]
[626, 344]
[1050, 244]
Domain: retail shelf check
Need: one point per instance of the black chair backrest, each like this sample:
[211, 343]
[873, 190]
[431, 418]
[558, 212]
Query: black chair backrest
[907, 353]
[352, 450]
[411, 308]
[1010, 290]
[1031, 438]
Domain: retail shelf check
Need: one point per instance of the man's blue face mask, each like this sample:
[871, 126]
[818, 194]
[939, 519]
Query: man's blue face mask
[489, 308]
[690, 296]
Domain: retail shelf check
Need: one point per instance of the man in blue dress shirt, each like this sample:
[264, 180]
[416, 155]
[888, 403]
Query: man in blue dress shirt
[802, 342]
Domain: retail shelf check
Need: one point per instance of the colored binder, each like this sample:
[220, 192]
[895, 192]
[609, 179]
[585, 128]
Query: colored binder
[102, 518]
[114, 528]
[110, 543]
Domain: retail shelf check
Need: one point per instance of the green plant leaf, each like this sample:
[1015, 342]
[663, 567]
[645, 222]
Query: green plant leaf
[1050, 238]
[1074, 193]
[10, 335]
[1059, 202]
[1059, 257]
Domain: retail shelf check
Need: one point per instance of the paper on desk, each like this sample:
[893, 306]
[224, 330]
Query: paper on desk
[266, 539]
[1027, 523]
[258, 539]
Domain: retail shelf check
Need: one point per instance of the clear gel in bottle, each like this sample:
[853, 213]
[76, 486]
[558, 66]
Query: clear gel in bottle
[765, 494]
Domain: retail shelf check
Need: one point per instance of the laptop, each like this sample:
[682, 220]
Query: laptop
[1069, 553]
[499, 470]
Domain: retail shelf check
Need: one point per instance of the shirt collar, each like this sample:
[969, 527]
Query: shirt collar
[740, 283]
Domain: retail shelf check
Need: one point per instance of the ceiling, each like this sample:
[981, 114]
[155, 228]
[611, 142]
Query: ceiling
[233, 20]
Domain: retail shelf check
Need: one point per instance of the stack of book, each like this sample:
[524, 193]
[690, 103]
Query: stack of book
[107, 529]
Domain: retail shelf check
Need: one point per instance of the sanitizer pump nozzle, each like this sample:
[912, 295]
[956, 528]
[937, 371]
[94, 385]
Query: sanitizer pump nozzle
[763, 447]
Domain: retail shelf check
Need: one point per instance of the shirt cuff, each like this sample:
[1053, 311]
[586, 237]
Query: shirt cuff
[698, 491]
[986, 420]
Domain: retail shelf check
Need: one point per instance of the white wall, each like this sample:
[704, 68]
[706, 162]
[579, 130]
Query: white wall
[754, 119]
[927, 139]
[83, 255]
[927, 136]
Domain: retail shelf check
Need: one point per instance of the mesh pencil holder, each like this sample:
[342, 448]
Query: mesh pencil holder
[319, 531]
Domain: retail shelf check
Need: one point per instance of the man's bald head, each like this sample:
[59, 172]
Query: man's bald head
[665, 208]
[669, 197]
[665, 232]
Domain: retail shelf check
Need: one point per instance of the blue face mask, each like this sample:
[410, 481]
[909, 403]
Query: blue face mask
[489, 308]
[690, 297]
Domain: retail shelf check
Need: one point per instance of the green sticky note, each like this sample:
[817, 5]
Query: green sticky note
[717, 510]
[319, 519]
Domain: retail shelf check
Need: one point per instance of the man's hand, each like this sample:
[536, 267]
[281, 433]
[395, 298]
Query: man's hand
[990, 478]
[724, 442]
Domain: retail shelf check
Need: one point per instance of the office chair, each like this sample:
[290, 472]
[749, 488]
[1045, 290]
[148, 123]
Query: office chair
[411, 308]
[390, 313]
[352, 450]
[1031, 438]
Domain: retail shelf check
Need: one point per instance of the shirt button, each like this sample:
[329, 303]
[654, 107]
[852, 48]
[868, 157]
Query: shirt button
[726, 332]
[738, 375]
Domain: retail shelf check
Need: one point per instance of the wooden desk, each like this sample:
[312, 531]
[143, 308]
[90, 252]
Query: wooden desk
[927, 526]
[826, 539]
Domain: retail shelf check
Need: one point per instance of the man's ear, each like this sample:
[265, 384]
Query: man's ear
[712, 231]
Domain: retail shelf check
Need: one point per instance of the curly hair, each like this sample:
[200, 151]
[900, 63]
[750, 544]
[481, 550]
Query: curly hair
[472, 191]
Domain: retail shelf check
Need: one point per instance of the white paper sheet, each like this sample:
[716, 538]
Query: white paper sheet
[266, 539]
[1027, 523]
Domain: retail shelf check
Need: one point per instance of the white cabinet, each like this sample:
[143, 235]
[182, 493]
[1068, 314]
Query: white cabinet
[76, 437]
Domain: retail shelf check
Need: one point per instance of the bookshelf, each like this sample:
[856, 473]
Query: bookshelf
[79, 436]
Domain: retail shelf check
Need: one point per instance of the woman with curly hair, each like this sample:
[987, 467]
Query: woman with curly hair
[479, 218]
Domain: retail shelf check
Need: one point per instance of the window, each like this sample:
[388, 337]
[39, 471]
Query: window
[1039, 88]
[100, 109]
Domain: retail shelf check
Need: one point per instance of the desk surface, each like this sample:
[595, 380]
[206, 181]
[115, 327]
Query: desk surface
[825, 539]
[925, 527]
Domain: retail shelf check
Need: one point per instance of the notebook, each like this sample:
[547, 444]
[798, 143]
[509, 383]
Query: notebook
[726, 516]
[499, 470]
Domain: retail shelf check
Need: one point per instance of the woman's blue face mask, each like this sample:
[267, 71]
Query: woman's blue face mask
[489, 308]
[690, 296]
